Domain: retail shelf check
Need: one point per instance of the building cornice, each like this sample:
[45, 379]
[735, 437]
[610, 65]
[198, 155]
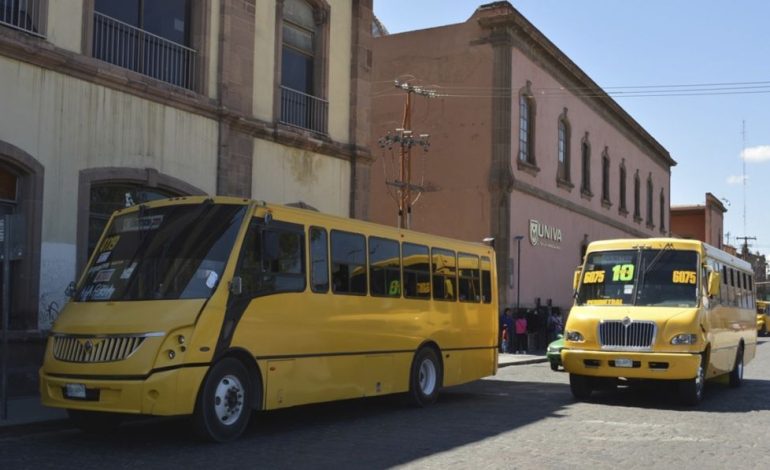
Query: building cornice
[41, 53]
[536, 46]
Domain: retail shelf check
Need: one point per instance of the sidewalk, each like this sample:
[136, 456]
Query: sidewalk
[28, 412]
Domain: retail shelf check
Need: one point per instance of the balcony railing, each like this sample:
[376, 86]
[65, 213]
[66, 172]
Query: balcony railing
[25, 15]
[303, 110]
[135, 49]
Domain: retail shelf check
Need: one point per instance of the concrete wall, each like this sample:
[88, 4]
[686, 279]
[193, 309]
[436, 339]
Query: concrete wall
[284, 175]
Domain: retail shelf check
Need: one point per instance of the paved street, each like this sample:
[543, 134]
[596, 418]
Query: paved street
[522, 418]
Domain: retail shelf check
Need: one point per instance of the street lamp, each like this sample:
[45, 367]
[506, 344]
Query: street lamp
[518, 239]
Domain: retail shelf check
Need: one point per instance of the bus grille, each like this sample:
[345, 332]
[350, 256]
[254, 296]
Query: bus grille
[95, 349]
[627, 335]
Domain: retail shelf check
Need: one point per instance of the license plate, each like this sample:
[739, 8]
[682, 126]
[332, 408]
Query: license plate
[624, 363]
[75, 391]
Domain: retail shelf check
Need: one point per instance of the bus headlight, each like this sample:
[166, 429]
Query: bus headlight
[684, 339]
[574, 336]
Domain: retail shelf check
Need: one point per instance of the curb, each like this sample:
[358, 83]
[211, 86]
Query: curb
[523, 362]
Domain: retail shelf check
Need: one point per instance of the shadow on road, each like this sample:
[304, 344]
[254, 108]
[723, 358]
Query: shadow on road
[372, 433]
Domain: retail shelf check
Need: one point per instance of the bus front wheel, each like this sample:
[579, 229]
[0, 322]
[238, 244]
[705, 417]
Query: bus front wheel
[581, 386]
[223, 408]
[425, 377]
[691, 390]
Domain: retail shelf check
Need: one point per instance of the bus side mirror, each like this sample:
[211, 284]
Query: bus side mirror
[575, 279]
[715, 280]
[236, 286]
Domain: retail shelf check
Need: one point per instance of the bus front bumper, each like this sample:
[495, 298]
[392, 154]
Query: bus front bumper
[631, 365]
[166, 393]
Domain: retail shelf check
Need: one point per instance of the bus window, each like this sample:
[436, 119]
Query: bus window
[283, 259]
[416, 271]
[443, 266]
[469, 277]
[319, 260]
[486, 280]
[384, 268]
[348, 263]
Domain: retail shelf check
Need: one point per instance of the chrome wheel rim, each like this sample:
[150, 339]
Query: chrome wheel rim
[228, 400]
[427, 377]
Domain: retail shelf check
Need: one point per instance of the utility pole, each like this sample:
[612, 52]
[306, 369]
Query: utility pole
[745, 243]
[406, 138]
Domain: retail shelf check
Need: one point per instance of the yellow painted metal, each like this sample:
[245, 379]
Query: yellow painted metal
[308, 347]
[719, 329]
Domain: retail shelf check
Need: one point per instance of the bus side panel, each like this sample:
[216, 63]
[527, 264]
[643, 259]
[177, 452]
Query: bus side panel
[292, 382]
[465, 366]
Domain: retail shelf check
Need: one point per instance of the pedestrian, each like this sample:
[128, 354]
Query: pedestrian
[521, 334]
[505, 341]
[506, 323]
[555, 325]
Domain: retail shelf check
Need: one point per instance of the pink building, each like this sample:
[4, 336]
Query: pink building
[523, 144]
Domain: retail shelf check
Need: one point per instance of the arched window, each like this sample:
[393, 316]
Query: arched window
[21, 196]
[101, 191]
[303, 64]
[637, 197]
[106, 198]
[563, 152]
[527, 125]
[623, 208]
[649, 201]
[585, 164]
[605, 178]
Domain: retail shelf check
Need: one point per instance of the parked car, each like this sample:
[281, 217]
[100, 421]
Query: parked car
[554, 352]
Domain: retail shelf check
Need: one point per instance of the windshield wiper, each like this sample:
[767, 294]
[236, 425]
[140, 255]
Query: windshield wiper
[639, 284]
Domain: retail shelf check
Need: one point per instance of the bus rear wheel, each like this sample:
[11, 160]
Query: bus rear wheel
[223, 407]
[736, 375]
[425, 377]
[581, 386]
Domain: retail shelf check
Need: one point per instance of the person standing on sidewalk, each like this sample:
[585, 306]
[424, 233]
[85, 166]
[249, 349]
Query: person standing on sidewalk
[521, 334]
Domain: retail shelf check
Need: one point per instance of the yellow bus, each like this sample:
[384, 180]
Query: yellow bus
[212, 307]
[662, 308]
[763, 317]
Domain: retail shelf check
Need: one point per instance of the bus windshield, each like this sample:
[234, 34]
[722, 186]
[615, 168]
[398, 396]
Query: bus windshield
[642, 277]
[171, 252]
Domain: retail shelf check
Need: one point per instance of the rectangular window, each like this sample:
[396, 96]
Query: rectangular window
[348, 263]
[443, 267]
[319, 260]
[470, 278]
[523, 129]
[486, 280]
[416, 264]
[272, 259]
[384, 268]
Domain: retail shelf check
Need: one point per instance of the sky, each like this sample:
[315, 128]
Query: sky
[718, 52]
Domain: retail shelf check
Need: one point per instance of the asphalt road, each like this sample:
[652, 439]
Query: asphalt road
[524, 417]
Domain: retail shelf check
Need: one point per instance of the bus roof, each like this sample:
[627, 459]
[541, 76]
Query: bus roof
[309, 214]
[677, 243]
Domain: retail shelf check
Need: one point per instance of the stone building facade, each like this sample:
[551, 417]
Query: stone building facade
[524, 148]
[113, 102]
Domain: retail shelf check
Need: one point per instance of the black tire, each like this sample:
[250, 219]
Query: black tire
[691, 390]
[224, 402]
[426, 377]
[95, 422]
[763, 332]
[736, 375]
[554, 366]
[581, 386]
